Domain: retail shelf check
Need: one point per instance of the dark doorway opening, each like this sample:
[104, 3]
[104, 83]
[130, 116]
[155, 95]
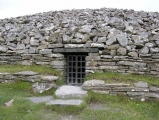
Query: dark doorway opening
[76, 67]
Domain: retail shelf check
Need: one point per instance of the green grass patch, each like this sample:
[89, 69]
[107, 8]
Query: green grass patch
[111, 77]
[36, 68]
[71, 109]
[120, 108]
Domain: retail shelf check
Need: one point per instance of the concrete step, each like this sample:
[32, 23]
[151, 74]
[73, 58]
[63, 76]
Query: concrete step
[68, 92]
[76, 102]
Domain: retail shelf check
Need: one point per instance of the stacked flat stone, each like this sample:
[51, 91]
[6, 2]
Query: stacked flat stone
[40, 83]
[128, 40]
[140, 90]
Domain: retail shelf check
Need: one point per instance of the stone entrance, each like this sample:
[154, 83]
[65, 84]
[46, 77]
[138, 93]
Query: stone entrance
[76, 66]
[75, 59]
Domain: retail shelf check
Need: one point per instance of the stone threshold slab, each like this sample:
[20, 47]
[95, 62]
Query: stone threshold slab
[76, 102]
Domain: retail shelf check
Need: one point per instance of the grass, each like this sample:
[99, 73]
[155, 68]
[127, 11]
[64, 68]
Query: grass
[110, 77]
[120, 108]
[115, 107]
[36, 68]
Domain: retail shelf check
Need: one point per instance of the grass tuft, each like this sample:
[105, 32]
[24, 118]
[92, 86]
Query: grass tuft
[111, 77]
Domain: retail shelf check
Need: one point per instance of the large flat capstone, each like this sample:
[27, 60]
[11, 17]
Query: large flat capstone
[68, 91]
[76, 102]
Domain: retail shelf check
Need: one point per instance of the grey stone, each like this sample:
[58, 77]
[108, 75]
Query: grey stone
[154, 50]
[40, 99]
[113, 52]
[129, 29]
[74, 50]
[49, 78]
[66, 39]
[76, 102]
[122, 39]
[67, 91]
[121, 51]
[92, 83]
[34, 42]
[144, 50]
[131, 63]
[135, 38]
[155, 31]
[97, 45]
[32, 50]
[152, 95]
[141, 84]
[1, 39]
[133, 54]
[41, 87]
[26, 73]
[45, 51]
[150, 45]
[74, 45]
[86, 28]
[101, 40]
[106, 56]
[3, 48]
[20, 47]
[109, 67]
[59, 63]
[112, 47]
[111, 41]
[57, 45]
[9, 103]
[154, 89]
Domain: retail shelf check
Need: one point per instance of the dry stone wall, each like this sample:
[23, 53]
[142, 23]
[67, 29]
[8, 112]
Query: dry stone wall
[127, 40]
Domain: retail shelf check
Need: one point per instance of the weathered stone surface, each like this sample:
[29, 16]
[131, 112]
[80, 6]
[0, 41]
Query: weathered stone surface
[66, 39]
[133, 54]
[154, 50]
[58, 63]
[144, 50]
[67, 91]
[49, 78]
[97, 45]
[26, 73]
[121, 51]
[92, 83]
[40, 99]
[111, 41]
[45, 51]
[75, 50]
[76, 102]
[154, 89]
[112, 47]
[3, 48]
[9, 103]
[131, 63]
[122, 39]
[101, 40]
[141, 84]
[74, 45]
[41, 87]
[34, 42]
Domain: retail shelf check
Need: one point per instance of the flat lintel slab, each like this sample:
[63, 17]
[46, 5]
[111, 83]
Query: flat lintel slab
[75, 50]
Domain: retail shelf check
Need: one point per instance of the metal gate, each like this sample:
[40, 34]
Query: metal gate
[75, 68]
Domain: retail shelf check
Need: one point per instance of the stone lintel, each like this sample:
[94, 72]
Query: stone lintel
[72, 50]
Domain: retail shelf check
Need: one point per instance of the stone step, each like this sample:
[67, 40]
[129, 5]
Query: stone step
[68, 91]
[61, 102]
[40, 99]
